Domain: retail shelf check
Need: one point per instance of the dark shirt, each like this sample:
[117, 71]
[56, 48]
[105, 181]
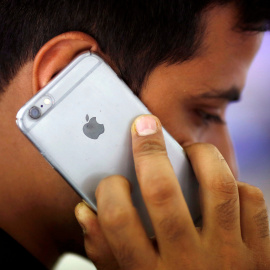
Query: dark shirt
[15, 256]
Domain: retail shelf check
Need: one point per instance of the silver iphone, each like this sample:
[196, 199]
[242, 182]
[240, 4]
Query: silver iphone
[81, 121]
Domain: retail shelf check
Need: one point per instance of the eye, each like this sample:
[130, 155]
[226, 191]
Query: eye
[209, 118]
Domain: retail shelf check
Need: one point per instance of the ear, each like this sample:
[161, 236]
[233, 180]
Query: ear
[57, 53]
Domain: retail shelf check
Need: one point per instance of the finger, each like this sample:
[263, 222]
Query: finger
[96, 246]
[122, 226]
[254, 217]
[160, 189]
[218, 191]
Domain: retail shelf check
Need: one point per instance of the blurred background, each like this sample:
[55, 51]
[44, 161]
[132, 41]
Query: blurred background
[249, 124]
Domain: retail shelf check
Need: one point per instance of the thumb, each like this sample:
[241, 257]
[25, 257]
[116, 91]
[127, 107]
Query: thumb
[96, 246]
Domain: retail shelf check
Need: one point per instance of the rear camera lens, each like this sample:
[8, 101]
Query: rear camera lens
[35, 112]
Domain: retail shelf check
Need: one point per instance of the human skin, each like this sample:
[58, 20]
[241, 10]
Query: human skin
[40, 200]
[229, 238]
[235, 229]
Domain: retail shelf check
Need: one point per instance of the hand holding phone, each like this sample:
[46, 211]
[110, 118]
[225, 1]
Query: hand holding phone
[230, 233]
[80, 122]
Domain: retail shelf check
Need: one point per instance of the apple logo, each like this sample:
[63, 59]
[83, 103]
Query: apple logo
[92, 129]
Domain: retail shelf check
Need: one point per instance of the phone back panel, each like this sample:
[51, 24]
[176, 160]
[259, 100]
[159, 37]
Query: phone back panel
[88, 86]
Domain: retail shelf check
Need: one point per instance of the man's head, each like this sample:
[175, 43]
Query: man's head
[137, 35]
[185, 60]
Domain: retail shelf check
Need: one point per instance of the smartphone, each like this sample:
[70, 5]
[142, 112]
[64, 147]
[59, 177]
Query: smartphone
[80, 122]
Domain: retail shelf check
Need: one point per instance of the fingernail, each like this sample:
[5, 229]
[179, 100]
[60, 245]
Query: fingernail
[145, 125]
[78, 214]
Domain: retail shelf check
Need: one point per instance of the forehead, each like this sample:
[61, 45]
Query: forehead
[223, 60]
[223, 41]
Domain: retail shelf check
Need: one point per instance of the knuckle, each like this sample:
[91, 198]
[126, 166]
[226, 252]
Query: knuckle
[107, 184]
[251, 193]
[115, 218]
[172, 229]
[150, 146]
[226, 214]
[262, 222]
[158, 191]
[226, 186]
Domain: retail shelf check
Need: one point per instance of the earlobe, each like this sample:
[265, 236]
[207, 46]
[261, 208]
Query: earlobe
[57, 53]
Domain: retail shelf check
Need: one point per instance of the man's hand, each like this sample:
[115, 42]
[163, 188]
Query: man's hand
[234, 232]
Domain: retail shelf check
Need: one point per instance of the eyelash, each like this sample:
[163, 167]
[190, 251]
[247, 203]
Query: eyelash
[210, 118]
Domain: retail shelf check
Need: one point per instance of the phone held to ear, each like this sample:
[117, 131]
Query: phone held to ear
[80, 122]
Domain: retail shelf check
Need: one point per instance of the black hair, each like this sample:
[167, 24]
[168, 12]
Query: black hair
[137, 35]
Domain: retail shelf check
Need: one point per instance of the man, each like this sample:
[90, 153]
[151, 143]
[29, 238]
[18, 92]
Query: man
[186, 61]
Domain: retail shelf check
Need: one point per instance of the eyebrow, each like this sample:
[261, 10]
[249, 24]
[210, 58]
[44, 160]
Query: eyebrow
[232, 94]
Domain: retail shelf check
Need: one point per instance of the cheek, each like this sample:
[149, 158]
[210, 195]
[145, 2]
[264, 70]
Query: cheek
[185, 133]
[179, 122]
